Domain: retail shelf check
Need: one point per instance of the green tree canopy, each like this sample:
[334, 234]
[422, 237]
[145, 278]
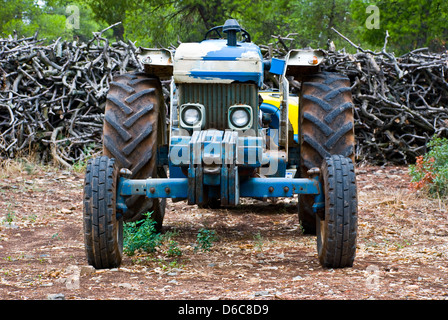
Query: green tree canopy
[48, 18]
[411, 24]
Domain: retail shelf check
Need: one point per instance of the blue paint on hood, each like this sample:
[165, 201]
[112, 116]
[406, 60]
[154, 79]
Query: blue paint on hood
[213, 60]
[242, 51]
[235, 76]
[229, 52]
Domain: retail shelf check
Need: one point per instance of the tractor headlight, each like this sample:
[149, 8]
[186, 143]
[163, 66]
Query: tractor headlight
[191, 115]
[240, 117]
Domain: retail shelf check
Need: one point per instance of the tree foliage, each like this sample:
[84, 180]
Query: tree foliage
[49, 19]
[410, 23]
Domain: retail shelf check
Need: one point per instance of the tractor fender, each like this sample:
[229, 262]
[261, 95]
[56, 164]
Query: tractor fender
[157, 62]
[303, 61]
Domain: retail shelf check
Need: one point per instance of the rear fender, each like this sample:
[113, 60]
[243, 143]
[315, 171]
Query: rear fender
[302, 61]
[157, 62]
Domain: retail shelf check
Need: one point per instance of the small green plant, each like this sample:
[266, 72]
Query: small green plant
[141, 235]
[81, 165]
[10, 215]
[173, 249]
[259, 241]
[56, 236]
[205, 239]
[29, 167]
[167, 266]
[31, 217]
[430, 172]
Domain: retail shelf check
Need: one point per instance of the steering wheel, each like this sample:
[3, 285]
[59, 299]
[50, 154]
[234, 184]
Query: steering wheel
[214, 29]
[218, 30]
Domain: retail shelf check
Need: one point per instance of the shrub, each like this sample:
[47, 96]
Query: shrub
[141, 235]
[205, 239]
[430, 172]
[173, 249]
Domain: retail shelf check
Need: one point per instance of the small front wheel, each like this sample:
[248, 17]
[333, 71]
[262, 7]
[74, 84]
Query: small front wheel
[337, 231]
[103, 231]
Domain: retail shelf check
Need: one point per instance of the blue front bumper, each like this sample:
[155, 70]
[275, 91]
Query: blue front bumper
[214, 161]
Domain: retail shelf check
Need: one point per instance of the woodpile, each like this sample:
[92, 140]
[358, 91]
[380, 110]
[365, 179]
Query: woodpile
[52, 97]
[401, 102]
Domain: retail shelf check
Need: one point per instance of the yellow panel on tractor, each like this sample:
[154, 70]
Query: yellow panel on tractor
[273, 98]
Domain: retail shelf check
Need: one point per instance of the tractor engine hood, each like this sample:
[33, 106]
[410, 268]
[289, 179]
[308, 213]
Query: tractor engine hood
[215, 62]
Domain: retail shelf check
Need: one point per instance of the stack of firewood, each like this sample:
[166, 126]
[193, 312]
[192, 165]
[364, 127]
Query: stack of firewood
[401, 102]
[52, 97]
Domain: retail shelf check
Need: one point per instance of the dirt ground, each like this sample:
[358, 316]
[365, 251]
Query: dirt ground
[260, 254]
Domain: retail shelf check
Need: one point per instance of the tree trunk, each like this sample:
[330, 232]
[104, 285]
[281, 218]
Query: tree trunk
[119, 32]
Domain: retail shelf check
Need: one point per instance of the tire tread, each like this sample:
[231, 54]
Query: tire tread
[100, 222]
[338, 247]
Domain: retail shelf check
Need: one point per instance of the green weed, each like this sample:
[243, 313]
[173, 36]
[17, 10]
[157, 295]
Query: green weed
[205, 239]
[173, 249]
[87, 153]
[259, 241]
[141, 235]
[10, 215]
[430, 172]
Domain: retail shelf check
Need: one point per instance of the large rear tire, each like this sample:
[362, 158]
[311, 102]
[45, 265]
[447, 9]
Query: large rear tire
[337, 229]
[134, 126]
[103, 231]
[326, 128]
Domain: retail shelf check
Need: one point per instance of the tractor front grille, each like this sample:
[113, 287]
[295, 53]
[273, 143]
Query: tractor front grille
[217, 98]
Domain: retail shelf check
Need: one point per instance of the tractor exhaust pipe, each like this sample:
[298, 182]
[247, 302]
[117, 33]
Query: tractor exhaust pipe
[231, 27]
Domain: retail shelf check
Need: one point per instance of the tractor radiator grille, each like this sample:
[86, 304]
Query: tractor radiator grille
[217, 98]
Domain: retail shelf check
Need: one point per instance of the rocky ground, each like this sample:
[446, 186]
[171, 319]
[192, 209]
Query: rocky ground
[260, 252]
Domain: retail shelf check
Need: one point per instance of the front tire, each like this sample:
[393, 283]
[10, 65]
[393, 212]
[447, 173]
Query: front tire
[103, 231]
[337, 230]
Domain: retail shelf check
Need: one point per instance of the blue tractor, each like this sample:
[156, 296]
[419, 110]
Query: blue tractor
[220, 138]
